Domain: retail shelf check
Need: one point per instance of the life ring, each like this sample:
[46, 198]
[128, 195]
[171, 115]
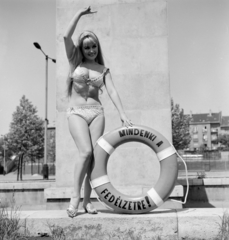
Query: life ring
[156, 196]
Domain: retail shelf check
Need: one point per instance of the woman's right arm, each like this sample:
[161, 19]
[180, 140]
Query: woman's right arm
[69, 45]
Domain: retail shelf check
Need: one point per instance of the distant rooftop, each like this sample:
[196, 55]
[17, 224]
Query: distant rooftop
[225, 121]
[205, 118]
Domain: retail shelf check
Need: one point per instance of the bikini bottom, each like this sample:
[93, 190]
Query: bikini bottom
[87, 112]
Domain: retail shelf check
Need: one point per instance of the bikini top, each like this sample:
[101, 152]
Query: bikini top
[80, 76]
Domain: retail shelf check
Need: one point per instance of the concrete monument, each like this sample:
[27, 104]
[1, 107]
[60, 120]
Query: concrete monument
[134, 40]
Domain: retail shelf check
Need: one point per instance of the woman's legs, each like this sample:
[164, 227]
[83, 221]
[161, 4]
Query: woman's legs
[80, 132]
[96, 131]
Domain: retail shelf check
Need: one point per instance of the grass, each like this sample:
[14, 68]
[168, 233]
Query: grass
[12, 228]
[10, 224]
[224, 227]
[57, 232]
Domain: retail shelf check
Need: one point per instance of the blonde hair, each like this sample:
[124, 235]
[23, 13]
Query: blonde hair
[99, 58]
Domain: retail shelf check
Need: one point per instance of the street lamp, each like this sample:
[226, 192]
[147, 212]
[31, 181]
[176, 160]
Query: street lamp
[4, 159]
[45, 166]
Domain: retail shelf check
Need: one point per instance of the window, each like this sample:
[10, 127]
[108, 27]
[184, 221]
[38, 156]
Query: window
[205, 129]
[195, 129]
[214, 130]
[195, 145]
[214, 137]
[195, 136]
[205, 137]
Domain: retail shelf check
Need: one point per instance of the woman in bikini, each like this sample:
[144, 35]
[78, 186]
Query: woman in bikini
[85, 113]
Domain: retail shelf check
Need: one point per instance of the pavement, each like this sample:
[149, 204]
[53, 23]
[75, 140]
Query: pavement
[210, 174]
[12, 177]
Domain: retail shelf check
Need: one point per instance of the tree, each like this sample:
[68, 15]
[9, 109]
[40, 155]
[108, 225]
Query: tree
[224, 140]
[1, 150]
[26, 136]
[180, 127]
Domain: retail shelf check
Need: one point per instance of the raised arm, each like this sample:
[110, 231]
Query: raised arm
[69, 45]
[113, 94]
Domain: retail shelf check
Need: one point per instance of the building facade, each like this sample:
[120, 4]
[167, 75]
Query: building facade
[224, 129]
[205, 129]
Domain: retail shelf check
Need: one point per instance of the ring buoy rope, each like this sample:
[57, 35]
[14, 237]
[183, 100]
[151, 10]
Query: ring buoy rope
[156, 196]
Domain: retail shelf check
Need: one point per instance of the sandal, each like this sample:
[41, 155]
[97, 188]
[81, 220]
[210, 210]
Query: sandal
[89, 208]
[72, 211]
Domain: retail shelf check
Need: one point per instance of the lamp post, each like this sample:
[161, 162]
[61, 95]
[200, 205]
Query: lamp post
[4, 159]
[45, 169]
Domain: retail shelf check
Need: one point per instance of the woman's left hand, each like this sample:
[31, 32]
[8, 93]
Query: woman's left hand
[125, 121]
[86, 11]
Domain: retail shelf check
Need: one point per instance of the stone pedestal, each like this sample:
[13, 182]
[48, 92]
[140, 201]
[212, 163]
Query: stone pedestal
[133, 36]
[199, 223]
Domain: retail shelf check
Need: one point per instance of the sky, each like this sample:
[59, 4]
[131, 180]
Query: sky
[22, 66]
[198, 42]
[199, 54]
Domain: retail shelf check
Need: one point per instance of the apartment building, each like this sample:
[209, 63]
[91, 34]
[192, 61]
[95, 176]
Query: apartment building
[224, 129]
[205, 129]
